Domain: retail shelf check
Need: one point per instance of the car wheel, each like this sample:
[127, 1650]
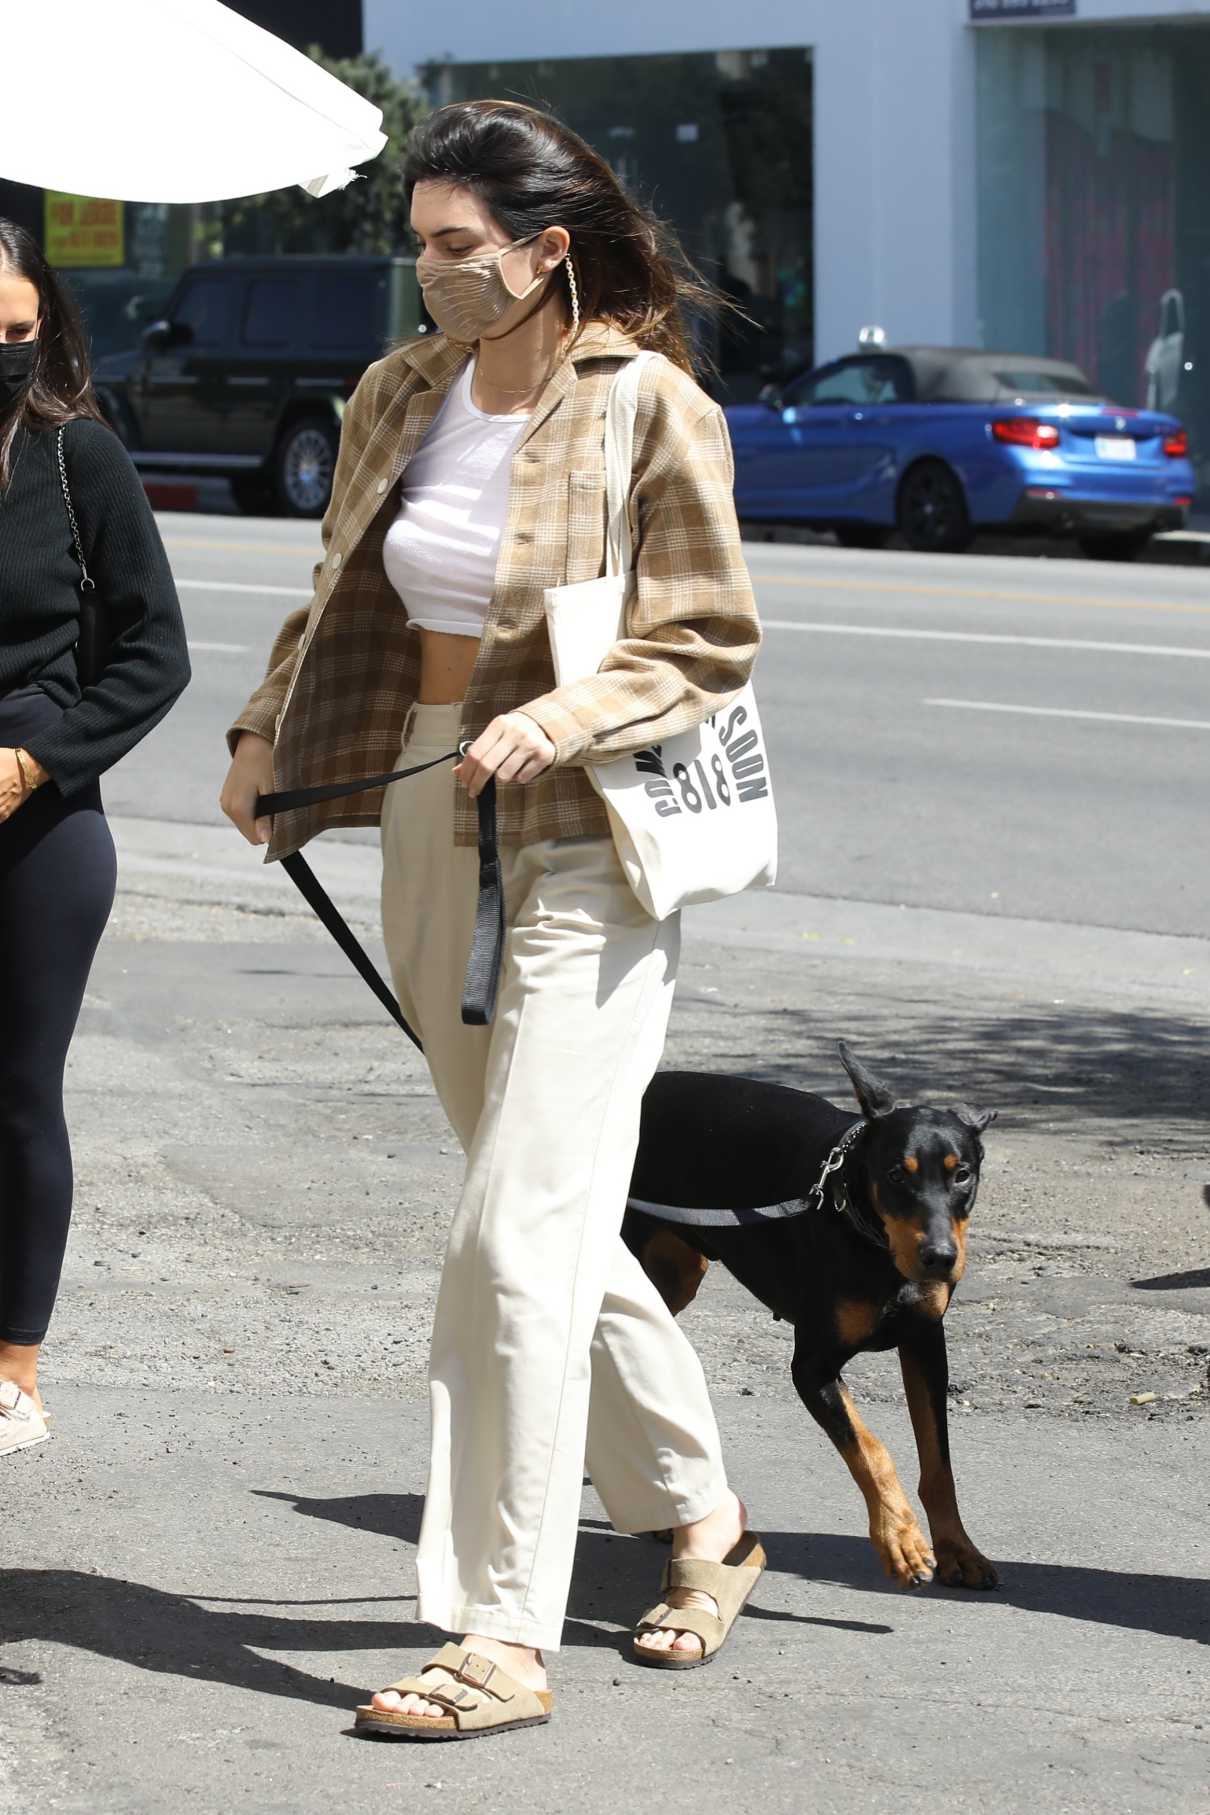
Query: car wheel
[303, 466]
[253, 493]
[861, 535]
[932, 516]
[1126, 546]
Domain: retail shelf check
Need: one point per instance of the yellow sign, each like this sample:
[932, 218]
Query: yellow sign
[81, 230]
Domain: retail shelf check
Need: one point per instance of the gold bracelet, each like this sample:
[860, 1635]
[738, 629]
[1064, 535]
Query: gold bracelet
[26, 784]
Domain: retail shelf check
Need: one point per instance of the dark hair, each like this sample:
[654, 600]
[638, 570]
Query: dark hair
[61, 387]
[532, 172]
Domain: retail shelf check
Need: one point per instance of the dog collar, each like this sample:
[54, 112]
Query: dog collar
[833, 1163]
[831, 1185]
[842, 1203]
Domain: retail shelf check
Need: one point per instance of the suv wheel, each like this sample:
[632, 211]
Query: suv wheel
[116, 418]
[303, 466]
[252, 493]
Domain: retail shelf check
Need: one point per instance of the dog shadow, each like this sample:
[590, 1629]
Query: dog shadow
[614, 1574]
[1196, 1277]
[1175, 1607]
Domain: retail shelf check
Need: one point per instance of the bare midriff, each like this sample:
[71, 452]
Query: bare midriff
[446, 664]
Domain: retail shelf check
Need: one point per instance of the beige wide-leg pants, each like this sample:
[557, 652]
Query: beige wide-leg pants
[551, 1348]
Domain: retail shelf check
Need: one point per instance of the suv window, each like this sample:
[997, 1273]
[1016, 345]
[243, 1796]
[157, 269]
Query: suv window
[272, 311]
[348, 308]
[856, 381]
[205, 306]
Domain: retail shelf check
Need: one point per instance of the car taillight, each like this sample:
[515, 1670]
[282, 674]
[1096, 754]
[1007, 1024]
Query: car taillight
[1177, 446]
[1026, 431]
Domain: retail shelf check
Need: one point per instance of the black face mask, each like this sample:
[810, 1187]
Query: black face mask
[17, 362]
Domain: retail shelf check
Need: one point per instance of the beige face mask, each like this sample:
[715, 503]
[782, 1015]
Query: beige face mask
[467, 297]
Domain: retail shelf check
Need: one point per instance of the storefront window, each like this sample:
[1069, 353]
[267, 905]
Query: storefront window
[719, 144]
[1094, 213]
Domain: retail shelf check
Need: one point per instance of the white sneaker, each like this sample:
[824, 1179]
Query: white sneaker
[21, 1423]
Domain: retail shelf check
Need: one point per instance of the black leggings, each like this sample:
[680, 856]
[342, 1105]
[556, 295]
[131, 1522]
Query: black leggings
[57, 878]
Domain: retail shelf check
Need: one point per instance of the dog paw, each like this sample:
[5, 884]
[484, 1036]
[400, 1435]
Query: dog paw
[960, 1565]
[904, 1550]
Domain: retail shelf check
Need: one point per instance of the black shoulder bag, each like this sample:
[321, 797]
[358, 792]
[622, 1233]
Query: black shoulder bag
[487, 946]
[95, 636]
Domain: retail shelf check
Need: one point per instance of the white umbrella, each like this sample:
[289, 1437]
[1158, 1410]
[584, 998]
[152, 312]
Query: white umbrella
[172, 101]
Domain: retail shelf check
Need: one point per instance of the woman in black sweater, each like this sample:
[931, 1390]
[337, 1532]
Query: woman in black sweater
[57, 736]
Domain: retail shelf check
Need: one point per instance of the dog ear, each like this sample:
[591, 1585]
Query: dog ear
[978, 1119]
[873, 1097]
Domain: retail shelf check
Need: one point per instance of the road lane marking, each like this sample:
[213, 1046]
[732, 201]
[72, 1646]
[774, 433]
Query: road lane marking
[817, 583]
[981, 636]
[218, 648]
[204, 544]
[277, 592]
[1106, 718]
[808, 578]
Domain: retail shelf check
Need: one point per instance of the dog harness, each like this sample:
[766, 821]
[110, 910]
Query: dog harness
[821, 1192]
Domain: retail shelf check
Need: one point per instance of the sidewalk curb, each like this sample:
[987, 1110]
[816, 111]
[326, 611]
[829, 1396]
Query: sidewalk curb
[1175, 548]
[171, 856]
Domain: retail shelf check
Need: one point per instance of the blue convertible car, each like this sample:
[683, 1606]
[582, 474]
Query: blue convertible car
[940, 442]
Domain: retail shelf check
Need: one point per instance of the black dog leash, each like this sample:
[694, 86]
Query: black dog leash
[482, 979]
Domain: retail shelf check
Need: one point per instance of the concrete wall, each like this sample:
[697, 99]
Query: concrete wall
[894, 124]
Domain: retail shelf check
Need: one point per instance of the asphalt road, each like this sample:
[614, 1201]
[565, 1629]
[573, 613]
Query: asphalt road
[998, 736]
[212, 1560]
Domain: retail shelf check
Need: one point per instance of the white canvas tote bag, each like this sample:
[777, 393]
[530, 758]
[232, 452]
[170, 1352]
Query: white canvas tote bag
[693, 817]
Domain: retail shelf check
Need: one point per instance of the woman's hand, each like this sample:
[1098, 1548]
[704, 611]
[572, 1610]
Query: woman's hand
[16, 788]
[250, 774]
[513, 748]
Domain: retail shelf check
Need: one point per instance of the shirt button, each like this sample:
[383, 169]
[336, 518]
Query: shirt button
[337, 558]
[382, 485]
[523, 535]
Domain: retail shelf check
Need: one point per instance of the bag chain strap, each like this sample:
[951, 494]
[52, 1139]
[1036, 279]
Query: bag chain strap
[87, 584]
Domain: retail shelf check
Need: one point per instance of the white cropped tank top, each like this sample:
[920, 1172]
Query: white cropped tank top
[440, 552]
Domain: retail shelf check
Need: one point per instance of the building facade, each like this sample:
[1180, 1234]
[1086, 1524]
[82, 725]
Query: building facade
[1018, 173]
[1025, 174]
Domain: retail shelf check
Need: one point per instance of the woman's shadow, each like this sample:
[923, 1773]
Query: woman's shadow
[153, 1629]
[171, 1633]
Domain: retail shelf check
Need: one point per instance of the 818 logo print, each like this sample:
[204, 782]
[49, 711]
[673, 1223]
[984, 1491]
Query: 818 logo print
[731, 773]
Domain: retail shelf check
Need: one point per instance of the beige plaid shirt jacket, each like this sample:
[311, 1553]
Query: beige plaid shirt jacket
[344, 669]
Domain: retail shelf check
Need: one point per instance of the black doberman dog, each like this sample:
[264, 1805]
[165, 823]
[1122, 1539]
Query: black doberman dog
[854, 1232]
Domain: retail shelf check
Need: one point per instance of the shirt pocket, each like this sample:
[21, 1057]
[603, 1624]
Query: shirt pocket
[585, 526]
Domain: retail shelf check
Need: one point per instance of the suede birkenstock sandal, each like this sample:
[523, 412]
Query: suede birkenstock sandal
[729, 1583]
[483, 1698]
[21, 1423]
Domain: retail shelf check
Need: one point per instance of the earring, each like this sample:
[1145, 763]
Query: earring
[574, 294]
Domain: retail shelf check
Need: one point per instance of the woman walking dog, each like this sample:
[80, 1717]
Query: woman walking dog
[60, 729]
[470, 479]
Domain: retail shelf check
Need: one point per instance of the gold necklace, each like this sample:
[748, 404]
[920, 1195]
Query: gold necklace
[504, 391]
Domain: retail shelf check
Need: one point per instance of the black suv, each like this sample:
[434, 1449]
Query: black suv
[248, 372]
